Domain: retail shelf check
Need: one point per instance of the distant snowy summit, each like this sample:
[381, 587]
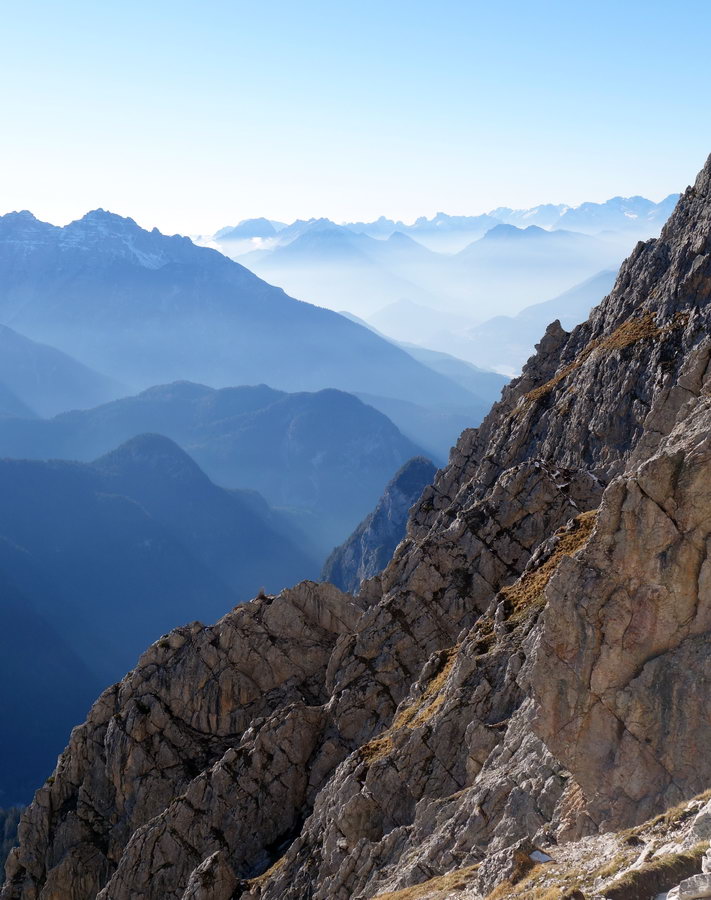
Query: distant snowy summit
[100, 235]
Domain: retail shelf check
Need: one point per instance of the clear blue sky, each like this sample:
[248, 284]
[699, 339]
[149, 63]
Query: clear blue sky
[191, 116]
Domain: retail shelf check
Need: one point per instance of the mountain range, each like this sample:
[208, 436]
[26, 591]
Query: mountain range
[434, 282]
[101, 549]
[447, 233]
[144, 309]
[323, 458]
[517, 708]
[508, 267]
[36, 379]
[126, 513]
[313, 263]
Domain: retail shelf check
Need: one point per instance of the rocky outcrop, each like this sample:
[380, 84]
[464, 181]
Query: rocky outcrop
[664, 858]
[187, 707]
[528, 673]
[369, 549]
[621, 671]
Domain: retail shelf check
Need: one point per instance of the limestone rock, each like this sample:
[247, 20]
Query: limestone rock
[184, 709]
[695, 888]
[621, 672]
[212, 880]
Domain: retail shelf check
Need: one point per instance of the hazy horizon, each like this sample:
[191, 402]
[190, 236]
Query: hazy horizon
[303, 218]
[192, 122]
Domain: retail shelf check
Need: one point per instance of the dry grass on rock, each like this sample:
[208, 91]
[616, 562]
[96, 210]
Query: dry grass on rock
[635, 329]
[435, 888]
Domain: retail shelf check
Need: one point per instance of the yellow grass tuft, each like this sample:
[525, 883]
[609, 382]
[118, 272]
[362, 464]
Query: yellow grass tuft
[431, 699]
[559, 880]
[377, 749]
[629, 332]
[414, 715]
[527, 592]
[660, 874]
[259, 880]
[452, 881]
[668, 819]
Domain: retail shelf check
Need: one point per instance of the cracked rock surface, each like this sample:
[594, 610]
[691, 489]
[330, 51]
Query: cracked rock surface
[529, 673]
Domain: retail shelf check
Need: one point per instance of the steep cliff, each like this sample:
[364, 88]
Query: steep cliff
[369, 549]
[529, 671]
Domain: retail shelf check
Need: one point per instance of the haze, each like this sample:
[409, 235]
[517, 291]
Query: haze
[188, 118]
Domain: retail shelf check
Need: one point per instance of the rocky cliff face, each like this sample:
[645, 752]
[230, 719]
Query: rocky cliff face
[529, 671]
[369, 549]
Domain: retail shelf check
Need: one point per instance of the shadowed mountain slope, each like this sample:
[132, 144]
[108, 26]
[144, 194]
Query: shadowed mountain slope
[324, 456]
[47, 381]
[11, 405]
[369, 549]
[140, 539]
[47, 688]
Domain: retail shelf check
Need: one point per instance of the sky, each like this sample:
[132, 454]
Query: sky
[191, 116]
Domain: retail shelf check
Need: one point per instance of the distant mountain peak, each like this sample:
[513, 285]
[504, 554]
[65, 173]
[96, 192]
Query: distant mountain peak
[397, 237]
[324, 236]
[247, 229]
[23, 227]
[512, 231]
[152, 452]
[103, 223]
[105, 216]
[22, 214]
[115, 236]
